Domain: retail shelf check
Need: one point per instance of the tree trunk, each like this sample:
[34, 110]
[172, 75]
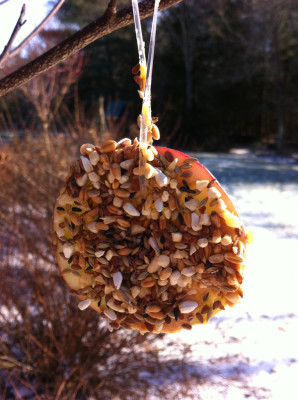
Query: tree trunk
[281, 123]
[188, 101]
[280, 98]
[102, 118]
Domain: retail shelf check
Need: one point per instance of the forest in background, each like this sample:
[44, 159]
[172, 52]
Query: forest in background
[225, 74]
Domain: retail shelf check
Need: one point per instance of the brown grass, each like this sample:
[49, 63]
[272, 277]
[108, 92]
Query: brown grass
[48, 348]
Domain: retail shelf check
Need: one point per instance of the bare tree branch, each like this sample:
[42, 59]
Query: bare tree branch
[36, 31]
[110, 21]
[3, 1]
[5, 54]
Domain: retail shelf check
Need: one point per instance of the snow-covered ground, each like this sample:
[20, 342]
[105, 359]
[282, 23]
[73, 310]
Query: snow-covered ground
[251, 351]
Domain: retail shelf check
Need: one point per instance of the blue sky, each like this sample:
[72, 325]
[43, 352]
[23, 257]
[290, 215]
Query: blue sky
[36, 10]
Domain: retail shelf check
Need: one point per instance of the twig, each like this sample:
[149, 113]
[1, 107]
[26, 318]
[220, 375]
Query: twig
[36, 31]
[18, 26]
[3, 1]
[111, 9]
[96, 29]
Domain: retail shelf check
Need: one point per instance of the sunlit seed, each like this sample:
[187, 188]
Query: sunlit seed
[163, 261]
[188, 271]
[173, 183]
[205, 219]
[203, 242]
[161, 178]
[86, 148]
[195, 222]
[168, 213]
[155, 132]
[152, 242]
[176, 236]
[148, 282]
[137, 229]
[84, 304]
[216, 258]
[86, 164]
[191, 204]
[130, 210]
[201, 185]
[153, 266]
[165, 273]
[165, 196]
[187, 306]
[213, 193]
[158, 205]
[82, 180]
[127, 164]
[110, 314]
[117, 279]
[99, 253]
[92, 227]
[221, 206]
[135, 290]
[94, 157]
[192, 249]
[68, 250]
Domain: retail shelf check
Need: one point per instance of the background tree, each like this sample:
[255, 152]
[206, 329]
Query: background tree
[46, 92]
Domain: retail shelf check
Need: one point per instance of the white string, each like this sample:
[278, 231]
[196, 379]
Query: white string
[146, 106]
[139, 35]
[147, 92]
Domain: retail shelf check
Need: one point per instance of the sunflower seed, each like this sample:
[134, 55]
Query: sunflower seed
[152, 242]
[130, 210]
[158, 205]
[110, 314]
[161, 178]
[187, 306]
[135, 290]
[86, 164]
[117, 279]
[94, 157]
[127, 164]
[84, 304]
[188, 271]
[82, 180]
[68, 250]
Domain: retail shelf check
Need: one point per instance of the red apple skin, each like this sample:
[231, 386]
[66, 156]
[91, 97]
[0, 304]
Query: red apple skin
[199, 173]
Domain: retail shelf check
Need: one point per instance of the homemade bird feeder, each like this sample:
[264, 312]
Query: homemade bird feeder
[146, 235]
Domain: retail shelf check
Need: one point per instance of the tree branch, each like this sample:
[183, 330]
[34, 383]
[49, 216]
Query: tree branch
[36, 31]
[107, 23]
[5, 54]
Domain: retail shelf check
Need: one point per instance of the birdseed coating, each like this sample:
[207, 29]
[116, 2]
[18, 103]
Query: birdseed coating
[158, 260]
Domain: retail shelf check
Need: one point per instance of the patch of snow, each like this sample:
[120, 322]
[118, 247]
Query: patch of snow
[250, 351]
